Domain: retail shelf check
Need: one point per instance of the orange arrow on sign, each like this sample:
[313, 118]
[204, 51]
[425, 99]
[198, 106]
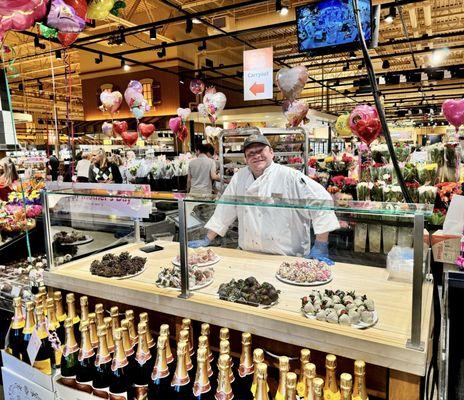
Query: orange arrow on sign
[257, 88]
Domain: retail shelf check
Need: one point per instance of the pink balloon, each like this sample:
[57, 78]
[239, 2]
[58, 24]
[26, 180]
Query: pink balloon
[197, 86]
[365, 123]
[136, 85]
[107, 129]
[20, 15]
[295, 111]
[175, 124]
[64, 18]
[453, 110]
[111, 101]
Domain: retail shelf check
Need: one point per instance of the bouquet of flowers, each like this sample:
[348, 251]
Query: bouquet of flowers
[410, 173]
[427, 173]
[437, 154]
[401, 151]
[451, 158]
[413, 190]
[447, 190]
[375, 171]
[380, 153]
[427, 194]
[364, 191]
[377, 191]
[134, 167]
[180, 167]
[392, 194]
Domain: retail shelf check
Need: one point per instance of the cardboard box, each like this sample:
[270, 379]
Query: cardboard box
[23, 369]
[445, 247]
[17, 387]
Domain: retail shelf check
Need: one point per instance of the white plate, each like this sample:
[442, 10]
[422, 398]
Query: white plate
[197, 287]
[315, 283]
[123, 277]
[206, 264]
[361, 325]
[87, 239]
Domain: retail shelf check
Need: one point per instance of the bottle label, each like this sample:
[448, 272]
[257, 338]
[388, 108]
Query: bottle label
[279, 396]
[61, 317]
[140, 392]
[83, 354]
[198, 389]
[142, 357]
[159, 373]
[116, 364]
[118, 396]
[177, 381]
[44, 366]
[224, 396]
[328, 395]
[243, 370]
[102, 359]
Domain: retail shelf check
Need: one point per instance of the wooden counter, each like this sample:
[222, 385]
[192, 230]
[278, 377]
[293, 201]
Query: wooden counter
[383, 345]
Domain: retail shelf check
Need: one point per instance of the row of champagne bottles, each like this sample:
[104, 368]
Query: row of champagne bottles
[116, 360]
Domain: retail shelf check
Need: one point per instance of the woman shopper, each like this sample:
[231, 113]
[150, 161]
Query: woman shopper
[104, 171]
[83, 168]
[7, 178]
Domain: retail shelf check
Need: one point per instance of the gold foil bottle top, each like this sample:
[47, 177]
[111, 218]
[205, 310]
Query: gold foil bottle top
[205, 329]
[291, 381]
[84, 301]
[70, 301]
[224, 361]
[202, 341]
[305, 355]
[161, 342]
[99, 308]
[57, 295]
[84, 326]
[258, 356]
[50, 303]
[182, 348]
[114, 311]
[318, 385]
[262, 371]
[186, 323]
[70, 298]
[39, 314]
[164, 330]
[38, 299]
[128, 348]
[346, 382]
[43, 290]
[224, 334]
[92, 317]
[29, 306]
[101, 330]
[17, 301]
[284, 364]
[331, 361]
[68, 323]
[359, 367]
[141, 328]
[125, 323]
[129, 314]
[183, 335]
[202, 354]
[107, 321]
[310, 370]
[117, 334]
[143, 317]
[246, 338]
[224, 347]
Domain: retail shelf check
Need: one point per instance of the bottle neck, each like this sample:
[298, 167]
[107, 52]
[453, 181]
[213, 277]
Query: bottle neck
[181, 377]
[60, 315]
[86, 350]
[345, 394]
[282, 389]
[160, 370]
[359, 387]
[202, 384]
[72, 312]
[330, 381]
[100, 318]
[71, 345]
[291, 394]
[261, 389]
[41, 329]
[246, 361]
[119, 359]
[30, 322]
[143, 353]
[18, 321]
[309, 388]
[53, 323]
[103, 354]
[224, 387]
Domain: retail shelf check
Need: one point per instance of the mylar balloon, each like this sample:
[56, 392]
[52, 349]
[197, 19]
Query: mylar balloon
[80, 7]
[111, 101]
[202, 110]
[64, 18]
[20, 15]
[146, 130]
[183, 113]
[136, 85]
[365, 123]
[175, 124]
[99, 9]
[182, 133]
[295, 111]
[214, 104]
[197, 86]
[453, 110]
[107, 129]
[120, 127]
[129, 138]
[342, 126]
[291, 81]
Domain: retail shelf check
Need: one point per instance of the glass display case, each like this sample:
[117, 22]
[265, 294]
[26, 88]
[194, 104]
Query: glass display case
[255, 276]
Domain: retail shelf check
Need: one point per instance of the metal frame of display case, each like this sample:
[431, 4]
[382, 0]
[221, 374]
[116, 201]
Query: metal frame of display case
[420, 270]
[244, 132]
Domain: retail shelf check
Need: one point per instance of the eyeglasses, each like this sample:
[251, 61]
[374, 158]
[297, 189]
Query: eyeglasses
[254, 153]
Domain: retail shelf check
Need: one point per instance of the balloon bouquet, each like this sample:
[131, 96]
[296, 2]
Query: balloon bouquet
[291, 82]
[453, 110]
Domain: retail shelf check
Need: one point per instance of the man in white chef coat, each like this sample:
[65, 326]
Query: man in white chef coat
[274, 230]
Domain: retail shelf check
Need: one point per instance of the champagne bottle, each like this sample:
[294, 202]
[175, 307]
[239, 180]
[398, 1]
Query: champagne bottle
[224, 348]
[131, 327]
[28, 329]
[128, 349]
[309, 375]
[205, 331]
[202, 388]
[262, 388]
[290, 390]
[114, 314]
[109, 333]
[187, 324]
[224, 334]
[180, 386]
[305, 356]
[164, 330]
[184, 337]
[346, 386]
[102, 374]
[71, 305]
[43, 298]
[203, 343]
[258, 357]
[359, 387]
[143, 365]
[159, 386]
[43, 361]
[69, 357]
[38, 300]
[318, 384]
[245, 370]
[331, 391]
[93, 330]
[86, 360]
[84, 301]
[224, 389]
[143, 317]
[119, 382]
[60, 314]
[99, 315]
[52, 326]
[284, 367]
[15, 336]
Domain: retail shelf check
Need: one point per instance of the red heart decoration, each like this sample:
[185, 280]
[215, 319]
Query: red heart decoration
[146, 130]
[120, 126]
[182, 133]
[365, 123]
[129, 138]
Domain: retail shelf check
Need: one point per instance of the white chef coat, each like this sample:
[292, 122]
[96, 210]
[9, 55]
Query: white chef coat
[274, 230]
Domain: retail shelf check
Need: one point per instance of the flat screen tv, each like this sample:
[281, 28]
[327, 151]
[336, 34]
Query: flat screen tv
[329, 26]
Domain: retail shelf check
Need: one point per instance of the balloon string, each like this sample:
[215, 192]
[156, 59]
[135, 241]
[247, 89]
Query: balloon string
[55, 113]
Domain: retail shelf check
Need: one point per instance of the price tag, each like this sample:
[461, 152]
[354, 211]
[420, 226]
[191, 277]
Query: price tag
[33, 346]
[15, 291]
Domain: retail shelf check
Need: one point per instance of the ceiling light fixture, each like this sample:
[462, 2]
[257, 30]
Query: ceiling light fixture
[391, 15]
[280, 8]
[162, 52]
[58, 54]
[438, 56]
[153, 34]
[99, 60]
[352, 55]
[125, 66]
[188, 25]
[202, 46]
[386, 64]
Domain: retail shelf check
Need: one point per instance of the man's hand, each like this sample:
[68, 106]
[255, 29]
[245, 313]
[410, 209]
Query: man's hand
[195, 244]
[320, 251]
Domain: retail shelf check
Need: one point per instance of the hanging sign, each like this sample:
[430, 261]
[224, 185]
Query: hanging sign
[258, 74]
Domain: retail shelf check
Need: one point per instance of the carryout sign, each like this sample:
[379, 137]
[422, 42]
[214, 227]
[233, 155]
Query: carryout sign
[258, 74]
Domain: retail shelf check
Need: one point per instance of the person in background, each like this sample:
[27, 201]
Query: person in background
[7, 178]
[104, 171]
[83, 168]
[54, 166]
[202, 171]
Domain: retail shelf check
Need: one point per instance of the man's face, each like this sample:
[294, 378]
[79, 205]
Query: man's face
[258, 157]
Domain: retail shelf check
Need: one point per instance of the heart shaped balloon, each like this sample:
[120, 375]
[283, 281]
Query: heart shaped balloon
[111, 101]
[291, 81]
[453, 110]
[129, 138]
[214, 104]
[80, 7]
[202, 110]
[107, 129]
[365, 123]
[184, 113]
[175, 124]
[136, 85]
[120, 127]
[20, 15]
[146, 130]
[99, 9]
[295, 111]
[64, 18]
[342, 125]
[212, 131]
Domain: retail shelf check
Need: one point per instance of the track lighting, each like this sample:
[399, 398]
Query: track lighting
[153, 34]
[38, 44]
[281, 9]
[391, 15]
[352, 55]
[162, 52]
[188, 25]
[40, 85]
[361, 66]
[386, 64]
[58, 54]
[346, 67]
[125, 66]
[99, 60]
[21, 87]
[202, 46]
